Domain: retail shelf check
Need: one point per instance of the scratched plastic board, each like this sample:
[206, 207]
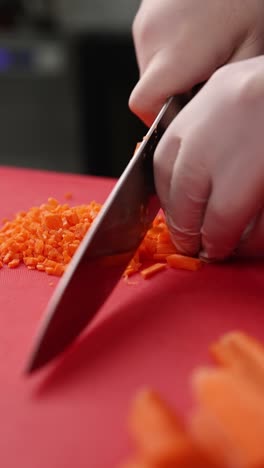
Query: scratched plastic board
[152, 333]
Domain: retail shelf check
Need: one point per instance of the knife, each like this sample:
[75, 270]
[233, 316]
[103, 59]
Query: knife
[106, 249]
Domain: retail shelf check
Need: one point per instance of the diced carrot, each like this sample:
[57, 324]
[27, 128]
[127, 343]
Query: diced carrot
[184, 262]
[53, 221]
[14, 263]
[152, 270]
[30, 261]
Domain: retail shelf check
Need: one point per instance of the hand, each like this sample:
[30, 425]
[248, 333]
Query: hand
[180, 43]
[209, 165]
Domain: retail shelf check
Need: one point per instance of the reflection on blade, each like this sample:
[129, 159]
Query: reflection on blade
[118, 229]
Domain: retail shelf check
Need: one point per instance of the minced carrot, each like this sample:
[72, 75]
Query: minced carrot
[46, 237]
[54, 231]
[14, 263]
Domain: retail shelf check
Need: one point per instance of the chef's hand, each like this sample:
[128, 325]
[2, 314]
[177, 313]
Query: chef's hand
[209, 165]
[180, 43]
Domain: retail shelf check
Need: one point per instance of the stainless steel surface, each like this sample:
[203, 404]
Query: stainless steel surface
[117, 230]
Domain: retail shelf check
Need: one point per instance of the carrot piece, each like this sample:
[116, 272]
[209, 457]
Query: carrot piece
[14, 263]
[30, 261]
[160, 257]
[160, 436]
[137, 463]
[243, 355]
[152, 270]
[68, 195]
[53, 221]
[231, 420]
[184, 262]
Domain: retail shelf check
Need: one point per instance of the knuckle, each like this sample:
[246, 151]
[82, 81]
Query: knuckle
[241, 83]
[142, 30]
[247, 87]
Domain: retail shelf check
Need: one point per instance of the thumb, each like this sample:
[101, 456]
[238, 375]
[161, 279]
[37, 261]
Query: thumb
[169, 73]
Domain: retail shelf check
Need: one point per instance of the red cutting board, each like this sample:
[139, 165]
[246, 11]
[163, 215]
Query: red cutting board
[152, 333]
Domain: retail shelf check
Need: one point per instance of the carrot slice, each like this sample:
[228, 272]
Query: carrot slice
[243, 355]
[184, 262]
[152, 270]
[161, 438]
[231, 423]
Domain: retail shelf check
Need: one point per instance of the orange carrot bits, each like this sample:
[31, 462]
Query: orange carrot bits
[39, 246]
[53, 221]
[72, 218]
[30, 261]
[14, 263]
[152, 270]
[7, 258]
[183, 262]
[53, 202]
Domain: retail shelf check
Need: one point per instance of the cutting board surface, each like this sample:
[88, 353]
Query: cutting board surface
[151, 333]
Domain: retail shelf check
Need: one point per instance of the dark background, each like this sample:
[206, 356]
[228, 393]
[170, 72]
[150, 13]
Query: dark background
[67, 68]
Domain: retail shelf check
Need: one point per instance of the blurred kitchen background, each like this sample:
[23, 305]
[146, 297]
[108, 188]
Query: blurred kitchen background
[67, 68]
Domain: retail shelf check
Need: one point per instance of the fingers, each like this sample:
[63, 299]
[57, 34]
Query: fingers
[235, 199]
[183, 186]
[209, 166]
[165, 77]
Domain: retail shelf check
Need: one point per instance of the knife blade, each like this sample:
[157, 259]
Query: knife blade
[116, 233]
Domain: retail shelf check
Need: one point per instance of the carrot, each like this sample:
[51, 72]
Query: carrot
[136, 463]
[225, 429]
[243, 355]
[54, 231]
[14, 263]
[46, 237]
[183, 262]
[232, 426]
[152, 270]
[160, 436]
